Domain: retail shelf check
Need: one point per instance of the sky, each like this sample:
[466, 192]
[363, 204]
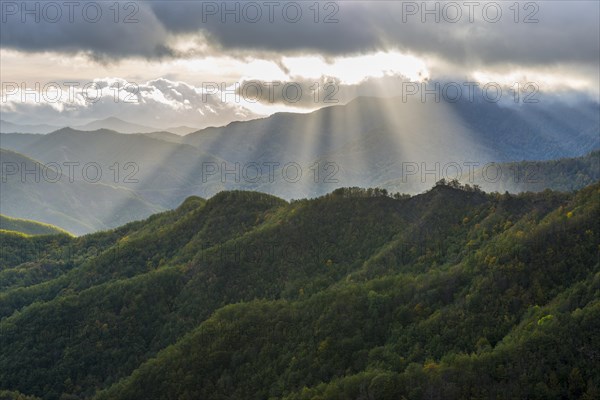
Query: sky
[195, 63]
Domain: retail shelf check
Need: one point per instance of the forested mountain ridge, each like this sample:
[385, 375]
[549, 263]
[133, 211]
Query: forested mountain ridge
[27, 227]
[453, 293]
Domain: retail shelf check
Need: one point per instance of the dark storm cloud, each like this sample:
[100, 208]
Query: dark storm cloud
[275, 29]
[83, 26]
[566, 32]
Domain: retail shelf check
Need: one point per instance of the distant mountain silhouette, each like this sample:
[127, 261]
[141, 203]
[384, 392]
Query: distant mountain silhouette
[370, 142]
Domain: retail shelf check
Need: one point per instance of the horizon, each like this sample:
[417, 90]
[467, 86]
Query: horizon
[571, 100]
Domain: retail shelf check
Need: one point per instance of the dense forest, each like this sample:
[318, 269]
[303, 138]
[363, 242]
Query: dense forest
[359, 294]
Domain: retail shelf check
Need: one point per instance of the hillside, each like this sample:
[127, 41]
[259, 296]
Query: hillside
[160, 172]
[28, 227]
[565, 174]
[9, 127]
[380, 133]
[66, 201]
[450, 294]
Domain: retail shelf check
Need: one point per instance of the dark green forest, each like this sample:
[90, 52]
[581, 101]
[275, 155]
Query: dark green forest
[359, 294]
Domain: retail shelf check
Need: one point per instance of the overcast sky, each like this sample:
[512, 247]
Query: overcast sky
[166, 63]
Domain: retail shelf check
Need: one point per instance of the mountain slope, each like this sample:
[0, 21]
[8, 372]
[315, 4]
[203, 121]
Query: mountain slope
[160, 172]
[9, 127]
[412, 130]
[27, 226]
[49, 196]
[403, 146]
[565, 174]
[18, 142]
[352, 294]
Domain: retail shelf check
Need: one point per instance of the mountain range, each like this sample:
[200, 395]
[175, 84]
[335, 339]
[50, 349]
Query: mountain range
[110, 123]
[402, 146]
[450, 294]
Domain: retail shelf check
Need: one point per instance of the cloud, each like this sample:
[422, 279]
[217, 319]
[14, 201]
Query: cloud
[86, 26]
[565, 32]
[159, 103]
[164, 103]
[324, 91]
[186, 41]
